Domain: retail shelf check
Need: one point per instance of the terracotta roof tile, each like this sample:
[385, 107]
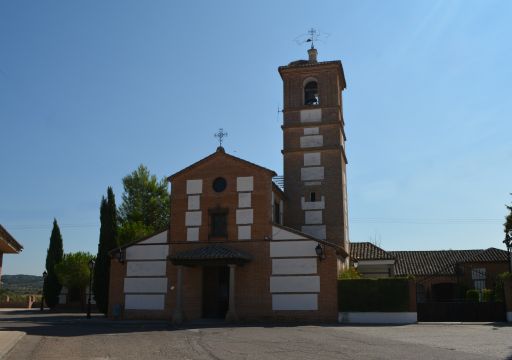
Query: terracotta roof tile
[212, 252]
[441, 262]
[368, 251]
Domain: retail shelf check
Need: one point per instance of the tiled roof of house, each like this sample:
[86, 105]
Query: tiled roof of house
[279, 181]
[8, 239]
[368, 251]
[211, 252]
[441, 262]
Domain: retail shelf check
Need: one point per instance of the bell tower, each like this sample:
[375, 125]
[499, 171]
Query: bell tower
[315, 180]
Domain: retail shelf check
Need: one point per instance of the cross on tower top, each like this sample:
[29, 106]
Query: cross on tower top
[220, 135]
[313, 36]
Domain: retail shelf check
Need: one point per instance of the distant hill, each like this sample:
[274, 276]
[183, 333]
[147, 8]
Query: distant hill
[22, 284]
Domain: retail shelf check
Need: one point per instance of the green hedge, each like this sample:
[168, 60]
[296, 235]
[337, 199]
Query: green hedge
[386, 295]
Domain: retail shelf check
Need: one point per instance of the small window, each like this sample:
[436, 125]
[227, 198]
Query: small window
[312, 196]
[218, 224]
[219, 184]
[277, 213]
[478, 276]
[311, 93]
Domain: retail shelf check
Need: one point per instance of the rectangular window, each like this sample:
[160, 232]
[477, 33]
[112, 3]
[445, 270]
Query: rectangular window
[277, 213]
[478, 276]
[312, 196]
[218, 224]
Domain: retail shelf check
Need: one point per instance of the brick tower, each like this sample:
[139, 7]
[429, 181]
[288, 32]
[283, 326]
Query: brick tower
[314, 149]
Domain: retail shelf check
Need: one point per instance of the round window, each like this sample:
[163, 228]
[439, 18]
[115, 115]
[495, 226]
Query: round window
[219, 184]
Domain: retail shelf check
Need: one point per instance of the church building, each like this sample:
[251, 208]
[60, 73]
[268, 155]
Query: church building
[244, 244]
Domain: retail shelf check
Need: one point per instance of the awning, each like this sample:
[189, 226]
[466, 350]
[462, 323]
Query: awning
[210, 255]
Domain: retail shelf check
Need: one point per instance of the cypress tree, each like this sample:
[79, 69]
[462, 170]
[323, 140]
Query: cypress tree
[107, 241]
[54, 256]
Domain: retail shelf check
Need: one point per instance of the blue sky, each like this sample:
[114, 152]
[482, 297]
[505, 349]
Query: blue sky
[91, 89]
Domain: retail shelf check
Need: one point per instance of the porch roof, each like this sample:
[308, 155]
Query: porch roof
[210, 255]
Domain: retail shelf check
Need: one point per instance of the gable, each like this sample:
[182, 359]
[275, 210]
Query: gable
[220, 160]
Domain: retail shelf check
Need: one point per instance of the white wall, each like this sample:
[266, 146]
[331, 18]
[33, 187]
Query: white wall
[144, 302]
[145, 285]
[146, 268]
[295, 284]
[147, 252]
[293, 248]
[282, 234]
[294, 302]
[160, 238]
[297, 266]
[317, 231]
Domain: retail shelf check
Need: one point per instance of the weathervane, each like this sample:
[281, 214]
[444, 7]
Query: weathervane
[220, 134]
[311, 36]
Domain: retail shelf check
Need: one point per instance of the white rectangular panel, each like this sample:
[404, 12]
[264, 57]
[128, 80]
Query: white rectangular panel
[193, 218]
[313, 205]
[282, 234]
[144, 302]
[312, 115]
[145, 268]
[244, 232]
[292, 248]
[311, 141]
[312, 173]
[193, 202]
[244, 200]
[293, 266]
[311, 131]
[296, 284]
[147, 252]
[313, 216]
[244, 183]
[294, 302]
[160, 238]
[193, 234]
[244, 216]
[312, 159]
[317, 231]
[145, 285]
[194, 186]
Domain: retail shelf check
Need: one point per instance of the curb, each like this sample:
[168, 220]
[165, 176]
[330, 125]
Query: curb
[9, 339]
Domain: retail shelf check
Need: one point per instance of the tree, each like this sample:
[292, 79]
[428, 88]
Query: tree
[508, 235]
[145, 207]
[73, 272]
[108, 241]
[508, 220]
[52, 286]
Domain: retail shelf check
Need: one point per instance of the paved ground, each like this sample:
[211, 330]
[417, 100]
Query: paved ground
[70, 336]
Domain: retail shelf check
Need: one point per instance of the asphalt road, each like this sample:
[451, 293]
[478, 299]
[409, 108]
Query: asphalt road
[53, 336]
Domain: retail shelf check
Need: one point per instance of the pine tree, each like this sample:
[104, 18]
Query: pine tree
[54, 256]
[145, 206]
[508, 220]
[108, 237]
